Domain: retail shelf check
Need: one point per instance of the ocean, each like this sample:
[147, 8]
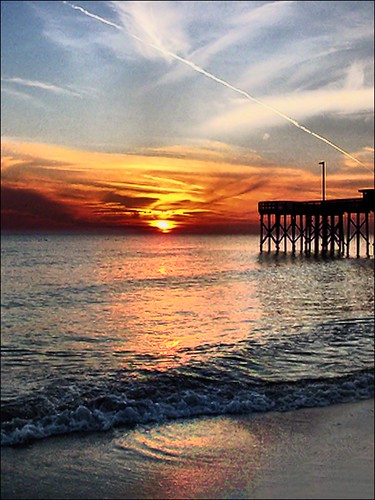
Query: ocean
[105, 331]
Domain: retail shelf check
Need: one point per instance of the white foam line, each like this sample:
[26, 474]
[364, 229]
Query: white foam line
[198, 69]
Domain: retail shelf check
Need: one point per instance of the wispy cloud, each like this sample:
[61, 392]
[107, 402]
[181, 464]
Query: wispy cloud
[366, 155]
[40, 85]
[161, 23]
[355, 77]
[246, 25]
[240, 23]
[23, 96]
[299, 104]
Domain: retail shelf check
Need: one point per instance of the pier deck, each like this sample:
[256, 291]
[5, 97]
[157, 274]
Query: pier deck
[330, 227]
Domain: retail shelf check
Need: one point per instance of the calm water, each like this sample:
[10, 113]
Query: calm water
[101, 331]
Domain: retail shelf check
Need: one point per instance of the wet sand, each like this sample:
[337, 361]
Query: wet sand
[310, 453]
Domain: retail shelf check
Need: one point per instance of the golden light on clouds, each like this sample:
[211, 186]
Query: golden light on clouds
[200, 188]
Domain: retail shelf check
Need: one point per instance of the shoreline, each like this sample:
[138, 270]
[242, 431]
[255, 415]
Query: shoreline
[308, 453]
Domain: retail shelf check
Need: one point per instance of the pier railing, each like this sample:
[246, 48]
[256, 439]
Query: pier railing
[308, 207]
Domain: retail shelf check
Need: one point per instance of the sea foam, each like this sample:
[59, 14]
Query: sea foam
[113, 410]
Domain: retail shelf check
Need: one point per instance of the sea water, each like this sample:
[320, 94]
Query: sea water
[100, 331]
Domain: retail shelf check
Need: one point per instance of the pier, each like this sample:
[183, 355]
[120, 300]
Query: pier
[327, 227]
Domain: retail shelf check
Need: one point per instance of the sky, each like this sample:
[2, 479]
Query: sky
[180, 116]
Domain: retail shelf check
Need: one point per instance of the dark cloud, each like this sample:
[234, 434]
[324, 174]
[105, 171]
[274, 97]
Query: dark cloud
[26, 208]
[129, 201]
[229, 192]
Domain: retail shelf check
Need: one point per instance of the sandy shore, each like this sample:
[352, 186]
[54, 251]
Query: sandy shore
[312, 453]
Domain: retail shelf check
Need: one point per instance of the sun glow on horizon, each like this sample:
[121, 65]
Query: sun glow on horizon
[163, 225]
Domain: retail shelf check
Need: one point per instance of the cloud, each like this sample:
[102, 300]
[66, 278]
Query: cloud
[161, 24]
[128, 201]
[208, 150]
[41, 85]
[61, 187]
[23, 96]
[241, 24]
[23, 208]
[366, 155]
[356, 76]
[301, 105]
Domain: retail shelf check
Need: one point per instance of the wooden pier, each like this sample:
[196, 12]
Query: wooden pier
[329, 227]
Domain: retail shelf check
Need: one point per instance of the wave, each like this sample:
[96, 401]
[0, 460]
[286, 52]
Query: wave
[178, 398]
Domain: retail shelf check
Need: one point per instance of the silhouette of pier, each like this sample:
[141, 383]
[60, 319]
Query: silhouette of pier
[326, 227]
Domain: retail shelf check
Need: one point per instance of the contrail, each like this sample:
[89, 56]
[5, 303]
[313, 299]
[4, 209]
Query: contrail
[198, 69]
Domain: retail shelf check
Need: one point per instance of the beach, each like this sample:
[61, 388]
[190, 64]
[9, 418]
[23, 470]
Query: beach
[308, 453]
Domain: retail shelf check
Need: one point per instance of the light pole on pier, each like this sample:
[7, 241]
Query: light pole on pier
[323, 164]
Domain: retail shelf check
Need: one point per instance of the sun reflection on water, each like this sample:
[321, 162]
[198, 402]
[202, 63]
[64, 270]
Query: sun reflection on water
[175, 302]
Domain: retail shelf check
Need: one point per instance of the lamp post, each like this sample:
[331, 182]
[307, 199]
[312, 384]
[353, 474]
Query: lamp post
[323, 164]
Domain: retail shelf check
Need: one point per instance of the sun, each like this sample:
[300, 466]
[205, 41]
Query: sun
[163, 225]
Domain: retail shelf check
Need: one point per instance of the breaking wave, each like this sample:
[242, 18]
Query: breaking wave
[178, 397]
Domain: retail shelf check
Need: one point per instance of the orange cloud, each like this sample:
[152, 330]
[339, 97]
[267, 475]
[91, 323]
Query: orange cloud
[208, 188]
